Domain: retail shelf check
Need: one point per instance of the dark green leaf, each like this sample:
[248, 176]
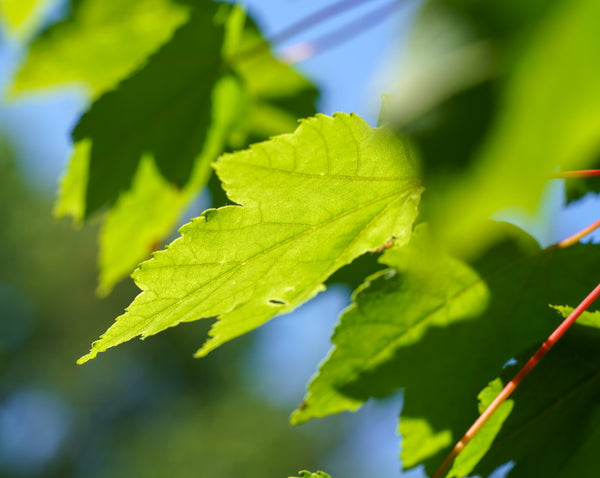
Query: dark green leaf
[444, 351]
[393, 309]
[553, 430]
[163, 110]
[147, 213]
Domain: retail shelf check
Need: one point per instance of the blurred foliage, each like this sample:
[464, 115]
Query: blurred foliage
[498, 95]
[22, 17]
[97, 44]
[147, 411]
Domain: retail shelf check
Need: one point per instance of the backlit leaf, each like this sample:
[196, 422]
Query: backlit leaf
[393, 308]
[149, 210]
[143, 216]
[591, 319]
[311, 202]
[99, 44]
[22, 16]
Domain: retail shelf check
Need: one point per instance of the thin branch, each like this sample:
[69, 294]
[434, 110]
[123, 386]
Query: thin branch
[584, 173]
[514, 383]
[575, 238]
[315, 18]
[320, 16]
[304, 50]
[307, 49]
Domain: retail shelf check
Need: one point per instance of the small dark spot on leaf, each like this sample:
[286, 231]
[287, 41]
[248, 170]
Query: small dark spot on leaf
[276, 302]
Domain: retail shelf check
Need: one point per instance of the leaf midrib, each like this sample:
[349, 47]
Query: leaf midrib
[256, 256]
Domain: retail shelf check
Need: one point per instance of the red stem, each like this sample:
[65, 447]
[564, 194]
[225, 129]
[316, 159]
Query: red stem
[514, 383]
[584, 173]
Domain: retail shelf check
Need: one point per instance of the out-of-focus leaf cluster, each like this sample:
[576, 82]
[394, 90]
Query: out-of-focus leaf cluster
[148, 411]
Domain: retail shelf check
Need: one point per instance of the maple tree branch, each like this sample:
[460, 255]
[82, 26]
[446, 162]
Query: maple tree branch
[584, 173]
[307, 49]
[514, 383]
[305, 23]
[314, 18]
[304, 50]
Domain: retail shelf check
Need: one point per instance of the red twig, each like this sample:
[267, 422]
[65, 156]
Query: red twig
[514, 383]
[584, 173]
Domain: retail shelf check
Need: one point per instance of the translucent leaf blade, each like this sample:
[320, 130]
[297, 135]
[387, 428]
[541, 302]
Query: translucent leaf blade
[589, 318]
[311, 202]
[99, 44]
[22, 17]
[146, 214]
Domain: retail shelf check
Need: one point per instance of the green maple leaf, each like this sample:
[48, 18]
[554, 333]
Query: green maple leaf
[443, 345]
[553, 430]
[100, 43]
[311, 202]
[144, 215]
[163, 109]
[151, 207]
[147, 213]
[393, 308]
